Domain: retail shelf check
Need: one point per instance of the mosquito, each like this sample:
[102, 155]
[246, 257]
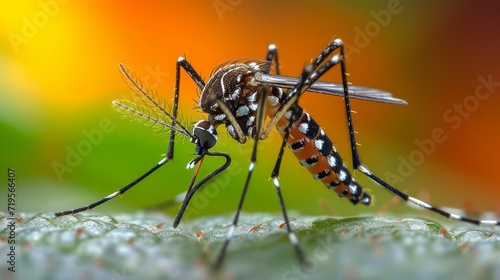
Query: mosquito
[242, 95]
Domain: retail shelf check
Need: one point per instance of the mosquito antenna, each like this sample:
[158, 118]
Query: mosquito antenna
[138, 86]
[135, 110]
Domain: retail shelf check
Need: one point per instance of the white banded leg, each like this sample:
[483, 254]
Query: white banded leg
[425, 205]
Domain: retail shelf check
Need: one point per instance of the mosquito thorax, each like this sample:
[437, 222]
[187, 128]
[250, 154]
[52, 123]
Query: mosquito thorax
[231, 83]
[205, 136]
[234, 85]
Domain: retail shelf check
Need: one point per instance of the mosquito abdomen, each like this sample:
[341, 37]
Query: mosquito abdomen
[315, 151]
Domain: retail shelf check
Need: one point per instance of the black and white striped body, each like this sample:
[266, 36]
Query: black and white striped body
[316, 152]
[235, 86]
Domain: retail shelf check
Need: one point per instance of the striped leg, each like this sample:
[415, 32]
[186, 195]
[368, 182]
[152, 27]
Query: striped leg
[356, 161]
[149, 100]
[310, 74]
[359, 166]
[181, 62]
[316, 69]
[192, 189]
[320, 70]
[319, 66]
[354, 151]
[260, 118]
[272, 55]
[275, 174]
[115, 194]
[275, 177]
[423, 204]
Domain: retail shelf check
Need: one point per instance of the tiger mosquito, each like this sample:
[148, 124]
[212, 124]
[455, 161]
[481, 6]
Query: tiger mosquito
[240, 94]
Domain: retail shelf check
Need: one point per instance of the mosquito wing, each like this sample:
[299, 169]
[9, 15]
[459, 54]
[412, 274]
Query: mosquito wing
[357, 92]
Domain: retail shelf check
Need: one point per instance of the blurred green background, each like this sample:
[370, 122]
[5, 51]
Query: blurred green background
[58, 63]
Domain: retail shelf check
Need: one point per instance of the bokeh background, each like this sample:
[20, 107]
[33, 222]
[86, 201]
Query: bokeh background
[58, 65]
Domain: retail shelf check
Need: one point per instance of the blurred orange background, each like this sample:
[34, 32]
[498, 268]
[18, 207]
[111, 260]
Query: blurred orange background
[59, 74]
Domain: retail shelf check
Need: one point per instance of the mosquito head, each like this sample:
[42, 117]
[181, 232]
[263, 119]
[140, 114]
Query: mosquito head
[205, 136]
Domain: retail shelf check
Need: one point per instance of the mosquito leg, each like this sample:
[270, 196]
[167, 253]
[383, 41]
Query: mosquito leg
[139, 86]
[260, 119]
[423, 204]
[197, 186]
[181, 62]
[184, 64]
[327, 51]
[359, 166]
[319, 67]
[115, 194]
[320, 58]
[306, 74]
[275, 177]
[308, 77]
[272, 54]
[354, 150]
[232, 119]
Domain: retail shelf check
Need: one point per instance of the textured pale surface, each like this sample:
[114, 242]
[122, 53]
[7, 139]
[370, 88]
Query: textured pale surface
[140, 246]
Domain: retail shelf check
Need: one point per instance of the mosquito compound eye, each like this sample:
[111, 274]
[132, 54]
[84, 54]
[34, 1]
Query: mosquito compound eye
[206, 134]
